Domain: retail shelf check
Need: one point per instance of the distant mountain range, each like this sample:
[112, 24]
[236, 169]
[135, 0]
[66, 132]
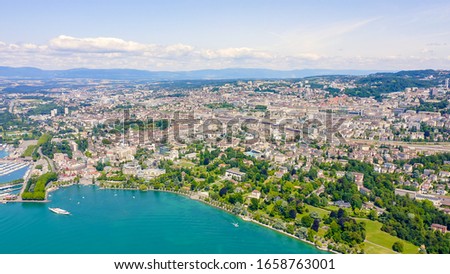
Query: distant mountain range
[133, 74]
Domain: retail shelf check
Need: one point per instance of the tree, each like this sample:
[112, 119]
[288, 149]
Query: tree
[279, 225]
[312, 173]
[143, 187]
[210, 180]
[292, 213]
[254, 204]
[341, 213]
[290, 229]
[373, 215]
[311, 234]
[106, 142]
[223, 191]
[100, 166]
[82, 144]
[397, 247]
[235, 198]
[307, 221]
[238, 209]
[302, 233]
[356, 201]
[316, 225]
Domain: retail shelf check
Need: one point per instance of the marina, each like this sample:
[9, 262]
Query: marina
[10, 171]
[3, 151]
[10, 188]
[18, 173]
[8, 167]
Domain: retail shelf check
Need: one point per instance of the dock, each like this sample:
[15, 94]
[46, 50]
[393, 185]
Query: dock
[10, 167]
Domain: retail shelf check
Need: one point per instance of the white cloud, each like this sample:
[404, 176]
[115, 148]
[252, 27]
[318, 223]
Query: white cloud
[99, 44]
[178, 50]
[64, 52]
[71, 51]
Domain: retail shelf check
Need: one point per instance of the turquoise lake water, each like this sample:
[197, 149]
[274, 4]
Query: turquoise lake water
[14, 175]
[118, 221]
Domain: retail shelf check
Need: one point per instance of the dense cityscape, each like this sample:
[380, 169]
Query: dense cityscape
[350, 164]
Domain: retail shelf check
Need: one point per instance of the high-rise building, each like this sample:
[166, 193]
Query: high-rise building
[446, 83]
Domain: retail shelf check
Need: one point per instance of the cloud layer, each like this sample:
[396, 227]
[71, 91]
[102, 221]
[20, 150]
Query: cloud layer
[64, 52]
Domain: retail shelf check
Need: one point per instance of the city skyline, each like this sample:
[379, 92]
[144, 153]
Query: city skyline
[191, 35]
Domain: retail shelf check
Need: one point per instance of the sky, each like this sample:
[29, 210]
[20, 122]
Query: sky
[189, 35]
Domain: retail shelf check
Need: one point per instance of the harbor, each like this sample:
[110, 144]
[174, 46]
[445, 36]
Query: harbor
[7, 167]
[3, 151]
[12, 170]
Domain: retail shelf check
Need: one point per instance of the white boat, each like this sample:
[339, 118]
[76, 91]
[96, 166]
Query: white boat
[59, 211]
[235, 224]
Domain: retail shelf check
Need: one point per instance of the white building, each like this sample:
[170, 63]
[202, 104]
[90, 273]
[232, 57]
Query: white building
[234, 174]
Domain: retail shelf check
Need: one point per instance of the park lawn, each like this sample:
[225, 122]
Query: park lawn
[322, 212]
[377, 241]
[185, 164]
[371, 248]
[332, 208]
[29, 151]
[375, 235]
[44, 138]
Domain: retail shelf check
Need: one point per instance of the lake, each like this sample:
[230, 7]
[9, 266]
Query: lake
[125, 221]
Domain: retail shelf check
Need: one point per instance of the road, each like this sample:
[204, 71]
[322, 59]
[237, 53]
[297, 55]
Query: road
[49, 161]
[25, 180]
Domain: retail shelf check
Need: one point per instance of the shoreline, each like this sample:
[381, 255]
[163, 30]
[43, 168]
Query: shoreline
[187, 195]
[244, 218]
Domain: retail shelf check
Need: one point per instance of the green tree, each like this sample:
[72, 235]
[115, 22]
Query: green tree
[307, 221]
[254, 204]
[397, 247]
[316, 224]
[143, 187]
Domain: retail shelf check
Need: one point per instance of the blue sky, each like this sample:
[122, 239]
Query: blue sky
[186, 35]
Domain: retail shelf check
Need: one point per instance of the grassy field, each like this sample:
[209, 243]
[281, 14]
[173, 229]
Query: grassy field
[322, 212]
[371, 248]
[44, 138]
[29, 151]
[377, 241]
[185, 164]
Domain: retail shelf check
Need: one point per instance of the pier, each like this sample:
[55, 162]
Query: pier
[10, 167]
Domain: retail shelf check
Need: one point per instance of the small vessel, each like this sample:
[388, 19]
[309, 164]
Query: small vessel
[59, 211]
[235, 224]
